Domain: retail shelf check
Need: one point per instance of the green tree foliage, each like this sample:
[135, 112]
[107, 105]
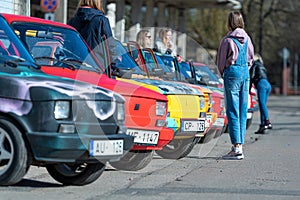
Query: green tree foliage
[207, 26]
[273, 24]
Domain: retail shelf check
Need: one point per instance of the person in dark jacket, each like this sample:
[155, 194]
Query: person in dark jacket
[90, 21]
[258, 77]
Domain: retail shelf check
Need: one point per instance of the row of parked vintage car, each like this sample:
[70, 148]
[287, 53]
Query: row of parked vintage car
[71, 111]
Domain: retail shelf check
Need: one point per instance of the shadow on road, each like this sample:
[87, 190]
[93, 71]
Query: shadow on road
[36, 184]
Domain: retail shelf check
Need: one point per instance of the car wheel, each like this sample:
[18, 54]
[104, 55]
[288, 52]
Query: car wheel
[14, 158]
[134, 160]
[76, 174]
[177, 148]
[208, 136]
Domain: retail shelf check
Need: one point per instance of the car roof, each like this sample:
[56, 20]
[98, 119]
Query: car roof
[10, 18]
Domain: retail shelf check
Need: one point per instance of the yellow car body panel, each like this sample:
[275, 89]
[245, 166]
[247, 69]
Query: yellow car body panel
[180, 107]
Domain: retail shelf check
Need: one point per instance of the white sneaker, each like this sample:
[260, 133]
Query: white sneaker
[234, 154]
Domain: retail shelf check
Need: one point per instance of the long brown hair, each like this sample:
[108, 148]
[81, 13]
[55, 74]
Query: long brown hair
[162, 35]
[96, 4]
[235, 20]
[140, 38]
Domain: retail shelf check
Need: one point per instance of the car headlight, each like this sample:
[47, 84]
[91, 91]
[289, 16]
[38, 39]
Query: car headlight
[161, 108]
[202, 103]
[121, 112]
[62, 109]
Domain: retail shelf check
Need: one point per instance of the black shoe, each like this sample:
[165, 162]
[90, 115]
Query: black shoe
[268, 124]
[261, 129]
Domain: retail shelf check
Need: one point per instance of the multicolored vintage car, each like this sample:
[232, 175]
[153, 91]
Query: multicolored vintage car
[69, 127]
[172, 71]
[201, 75]
[184, 108]
[60, 50]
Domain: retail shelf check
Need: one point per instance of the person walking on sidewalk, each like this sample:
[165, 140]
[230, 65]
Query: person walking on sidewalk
[258, 77]
[235, 57]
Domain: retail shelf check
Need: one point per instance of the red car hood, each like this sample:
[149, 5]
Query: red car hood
[123, 88]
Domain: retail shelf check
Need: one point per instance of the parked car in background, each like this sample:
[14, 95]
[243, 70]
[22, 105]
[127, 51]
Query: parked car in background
[184, 103]
[70, 128]
[183, 73]
[204, 75]
[60, 50]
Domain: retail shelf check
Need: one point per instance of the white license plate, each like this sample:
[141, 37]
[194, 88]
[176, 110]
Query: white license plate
[198, 126]
[106, 147]
[219, 122]
[143, 136]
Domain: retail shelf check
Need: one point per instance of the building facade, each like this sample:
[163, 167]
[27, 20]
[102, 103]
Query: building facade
[127, 17]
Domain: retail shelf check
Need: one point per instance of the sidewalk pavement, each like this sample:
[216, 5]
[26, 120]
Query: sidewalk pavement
[271, 168]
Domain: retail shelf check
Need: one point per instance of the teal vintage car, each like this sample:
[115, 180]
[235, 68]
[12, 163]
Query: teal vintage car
[69, 127]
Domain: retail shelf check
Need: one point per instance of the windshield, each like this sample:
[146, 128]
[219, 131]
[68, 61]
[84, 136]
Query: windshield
[170, 63]
[203, 72]
[185, 70]
[10, 45]
[150, 63]
[162, 65]
[61, 44]
[125, 61]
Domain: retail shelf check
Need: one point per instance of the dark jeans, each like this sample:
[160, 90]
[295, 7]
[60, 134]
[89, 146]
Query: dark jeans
[263, 88]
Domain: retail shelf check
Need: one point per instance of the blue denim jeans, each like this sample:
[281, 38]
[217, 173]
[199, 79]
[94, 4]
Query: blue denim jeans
[236, 85]
[263, 88]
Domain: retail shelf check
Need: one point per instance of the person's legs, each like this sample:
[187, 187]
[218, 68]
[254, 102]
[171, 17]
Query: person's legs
[261, 127]
[244, 106]
[267, 120]
[260, 96]
[263, 90]
[232, 86]
[236, 84]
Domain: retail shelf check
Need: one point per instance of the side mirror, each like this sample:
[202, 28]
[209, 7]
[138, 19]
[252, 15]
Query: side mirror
[202, 80]
[122, 73]
[205, 79]
[191, 80]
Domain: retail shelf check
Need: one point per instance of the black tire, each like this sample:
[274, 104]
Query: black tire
[134, 160]
[14, 158]
[208, 137]
[190, 147]
[177, 148]
[76, 174]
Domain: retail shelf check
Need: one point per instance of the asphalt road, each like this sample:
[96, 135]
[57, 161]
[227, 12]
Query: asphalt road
[270, 170]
